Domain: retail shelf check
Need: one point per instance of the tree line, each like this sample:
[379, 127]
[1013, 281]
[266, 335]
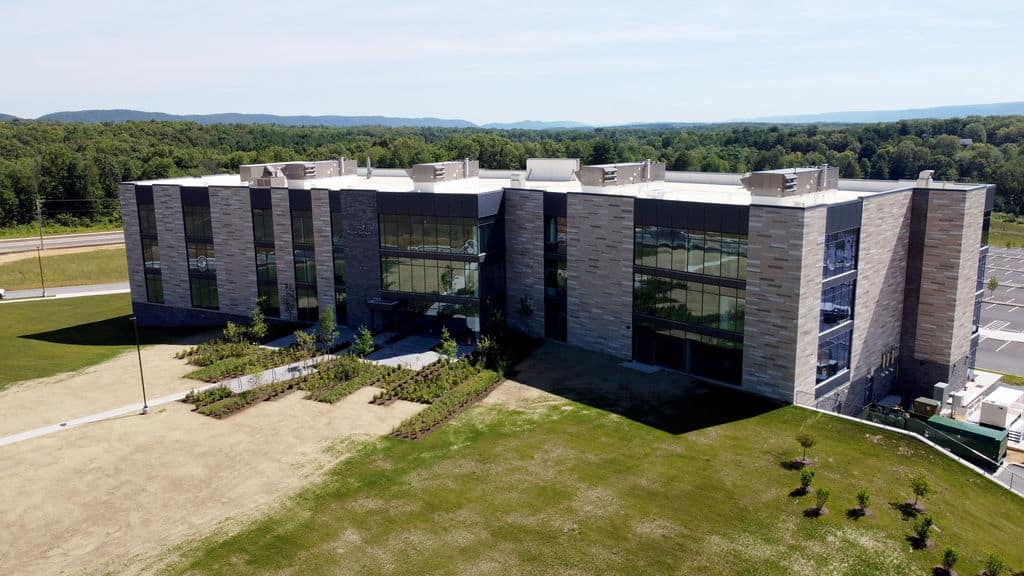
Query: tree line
[74, 168]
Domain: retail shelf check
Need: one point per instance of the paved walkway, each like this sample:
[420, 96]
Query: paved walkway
[413, 352]
[35, 294]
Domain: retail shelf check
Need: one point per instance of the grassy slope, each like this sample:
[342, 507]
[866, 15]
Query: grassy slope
[32, 230]
[1006, 234]
[43, 338]
[95, 267]
[565, 488]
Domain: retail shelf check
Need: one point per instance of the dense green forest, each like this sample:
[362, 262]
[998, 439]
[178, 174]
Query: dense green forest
[74, 168]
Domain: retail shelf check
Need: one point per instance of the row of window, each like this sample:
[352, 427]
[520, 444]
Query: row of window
[694, 251]
[150, 253]
[691, 302]
[443, 234]
[430, 276]
[304, 260]
[202, 261]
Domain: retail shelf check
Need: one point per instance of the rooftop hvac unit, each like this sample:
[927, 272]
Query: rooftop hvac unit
[610, 175]
[438, 172]
[789, 183]
[309, 170]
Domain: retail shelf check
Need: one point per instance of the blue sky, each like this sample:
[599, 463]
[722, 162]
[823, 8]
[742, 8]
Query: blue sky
[597, 62]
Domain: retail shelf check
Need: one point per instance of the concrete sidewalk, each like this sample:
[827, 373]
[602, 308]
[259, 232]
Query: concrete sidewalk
[1004, 335]
[35, 294]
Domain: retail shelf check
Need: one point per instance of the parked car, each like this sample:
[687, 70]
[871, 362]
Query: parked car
[2, 292]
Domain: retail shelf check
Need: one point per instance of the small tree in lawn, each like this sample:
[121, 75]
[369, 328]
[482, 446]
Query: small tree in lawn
[363, 345]
[922, 528]
[257, 324]
[326, 329]
[863, 500]
[806, 442]
[921, 488]
[949, 559]
[820, 499]
[448, 346]
[806, 477]
[994, 566]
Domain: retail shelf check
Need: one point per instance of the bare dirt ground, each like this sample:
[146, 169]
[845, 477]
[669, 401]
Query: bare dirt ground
[15, 256]
[111, 496]
[112, 384]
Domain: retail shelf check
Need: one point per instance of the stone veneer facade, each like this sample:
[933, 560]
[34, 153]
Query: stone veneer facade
[600, 272]
[324, 248]
[133, 242]
[524, 258]
[878, 306]
[170, 229]
[231, 216]
[362, 253]
[780, 340]
[283, 253]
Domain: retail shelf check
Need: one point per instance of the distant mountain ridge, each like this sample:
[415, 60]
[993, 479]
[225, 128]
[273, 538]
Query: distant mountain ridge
[7, 117]
[861, 117]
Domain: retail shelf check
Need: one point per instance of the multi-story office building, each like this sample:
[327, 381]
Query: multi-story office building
[788, 283]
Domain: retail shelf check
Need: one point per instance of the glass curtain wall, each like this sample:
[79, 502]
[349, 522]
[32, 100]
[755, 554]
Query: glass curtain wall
[266, 256]
[202, 261]
[338, 251]
[306, 303]
[555, 275]
[837, 299]
[150, 246]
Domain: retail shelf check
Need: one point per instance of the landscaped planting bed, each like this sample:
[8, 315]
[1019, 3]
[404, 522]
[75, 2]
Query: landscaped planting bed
[219, 360]
[336, 379]
[430, 383]
[205, 397]
[235, 402]
[449, 404]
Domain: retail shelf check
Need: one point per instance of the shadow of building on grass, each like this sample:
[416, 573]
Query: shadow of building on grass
[118, 331]
[666, 400]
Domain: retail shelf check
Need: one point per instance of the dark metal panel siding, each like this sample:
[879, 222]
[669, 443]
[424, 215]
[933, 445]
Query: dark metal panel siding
[724, 218]
[990, 197]
[144, 194]
[259, 198]
[300, 200]
[195, 196]
[843, 217]
[555, 204]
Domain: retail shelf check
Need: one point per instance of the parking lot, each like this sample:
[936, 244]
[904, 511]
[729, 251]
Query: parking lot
[1003, 310]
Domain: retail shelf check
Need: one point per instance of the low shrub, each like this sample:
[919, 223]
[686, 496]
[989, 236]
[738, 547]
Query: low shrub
[232, 404]
[430, 383]
[205, 397]
[447, 405]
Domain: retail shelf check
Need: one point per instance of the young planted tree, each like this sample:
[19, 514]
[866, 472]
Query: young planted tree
[994, 566]
[806, 442]
[922, 489]
[305, 341]
[448, 347]
[233, 333]
[993, 283]
[820, 499]
[257, 324]
[806, 477]
[363, 345]
[949, 559]
[863, 500]
[326, 329]
[922, 529]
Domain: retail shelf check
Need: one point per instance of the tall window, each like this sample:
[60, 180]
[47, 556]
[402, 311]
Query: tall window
[338, 248]
[266, 260]
[840, 252]
[202, 262]
[555, 276]
[717, 254]
[305, 266]
[836, 305]
[150, 249]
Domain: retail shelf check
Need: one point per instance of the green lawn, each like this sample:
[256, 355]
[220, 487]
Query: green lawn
[93, 267]
[47, 337]
[1006, 234]
[32, 230]
[570, 488]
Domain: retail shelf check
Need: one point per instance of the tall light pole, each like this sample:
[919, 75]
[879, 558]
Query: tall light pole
[39, 251]
[142, 376]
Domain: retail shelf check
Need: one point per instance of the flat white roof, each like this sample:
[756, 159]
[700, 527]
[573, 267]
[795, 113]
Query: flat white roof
[709, 187]
[1004, 396]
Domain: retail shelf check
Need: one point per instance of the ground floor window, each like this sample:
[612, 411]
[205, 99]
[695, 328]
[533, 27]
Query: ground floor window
[154, 288]
[204, 292]
[698, 354]
[307, 307]
[833, 355]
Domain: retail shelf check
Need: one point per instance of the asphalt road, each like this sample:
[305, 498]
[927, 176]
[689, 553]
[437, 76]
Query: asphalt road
[62, 241]
[1001, 312]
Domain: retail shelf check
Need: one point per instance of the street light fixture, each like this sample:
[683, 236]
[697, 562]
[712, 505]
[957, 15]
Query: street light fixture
[142, 376]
